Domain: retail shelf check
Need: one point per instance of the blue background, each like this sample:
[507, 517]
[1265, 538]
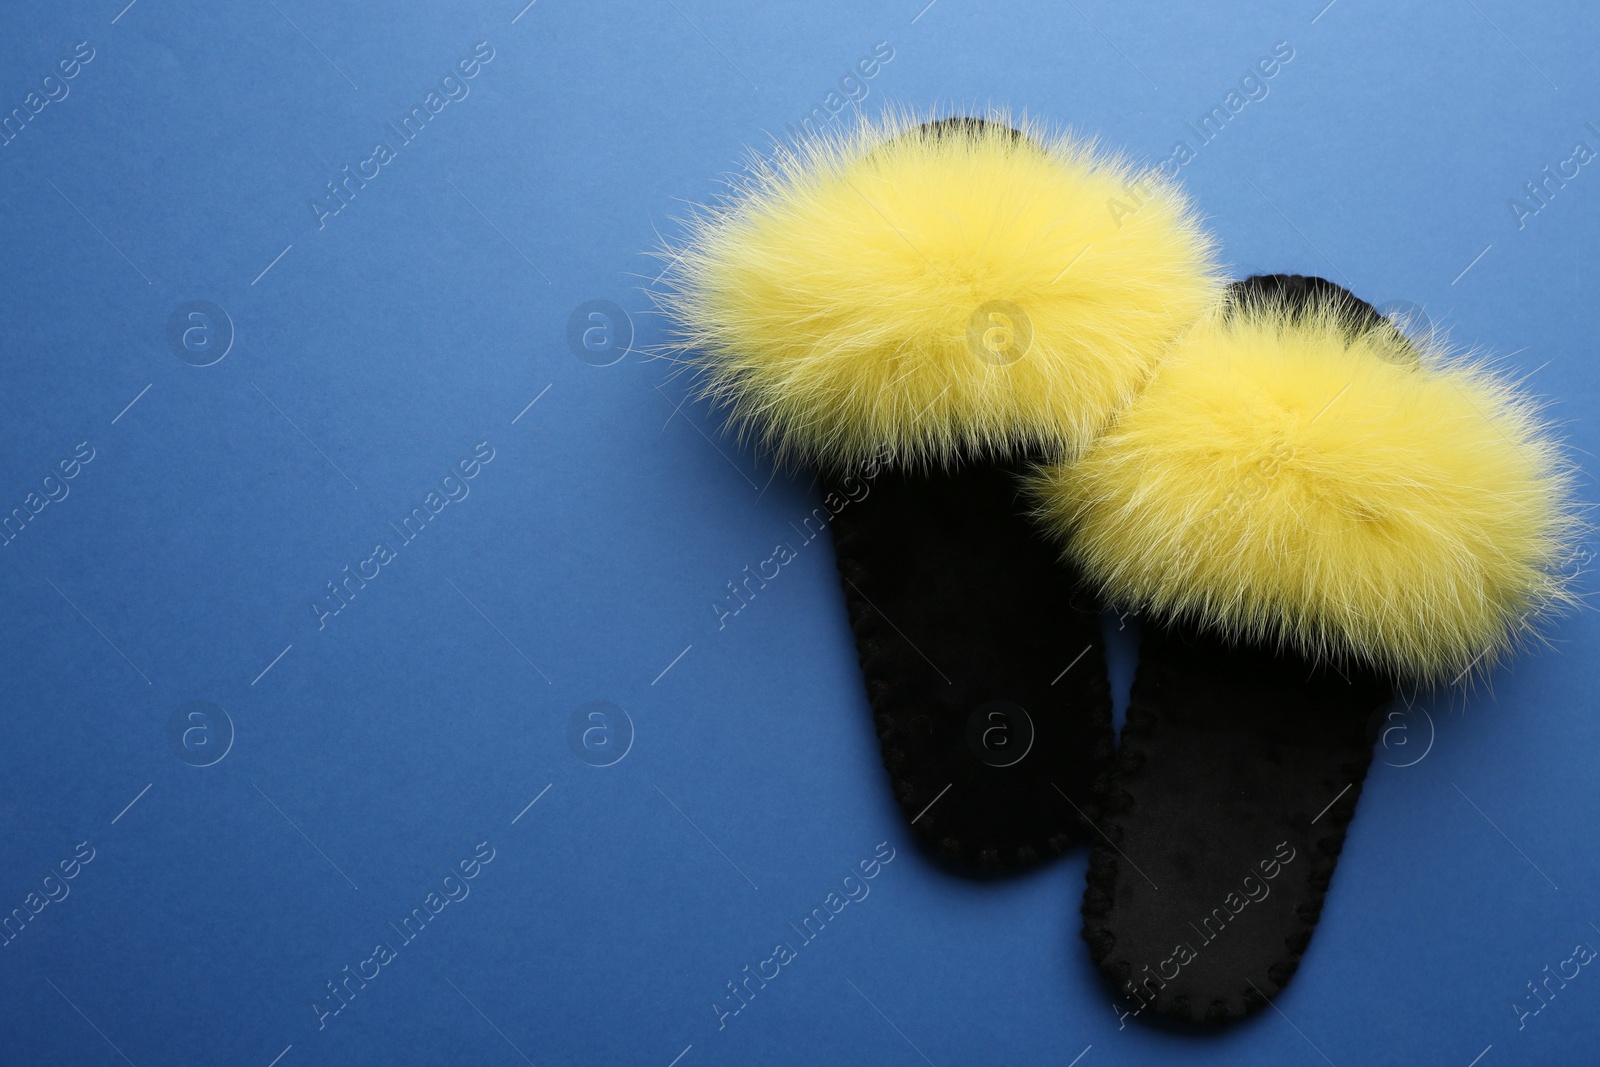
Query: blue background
[372, 352]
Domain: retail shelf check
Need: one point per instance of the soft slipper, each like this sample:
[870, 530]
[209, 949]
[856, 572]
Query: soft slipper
[1310, 510]
[915, 310]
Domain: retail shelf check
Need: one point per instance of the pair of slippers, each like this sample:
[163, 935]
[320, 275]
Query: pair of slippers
[1016, 364]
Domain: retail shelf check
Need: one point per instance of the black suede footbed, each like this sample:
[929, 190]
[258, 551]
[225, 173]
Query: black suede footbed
[962, 613]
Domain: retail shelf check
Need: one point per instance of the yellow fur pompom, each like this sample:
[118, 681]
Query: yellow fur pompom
[924, 292]
[1289, 476]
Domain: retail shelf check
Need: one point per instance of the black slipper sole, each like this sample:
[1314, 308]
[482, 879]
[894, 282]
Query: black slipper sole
[983, 663]
[1236, 780]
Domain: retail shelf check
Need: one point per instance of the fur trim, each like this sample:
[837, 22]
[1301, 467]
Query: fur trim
[1290, 475]
[961, 287]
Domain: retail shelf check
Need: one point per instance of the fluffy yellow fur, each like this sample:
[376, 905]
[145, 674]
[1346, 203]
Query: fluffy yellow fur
[837, 301]
[1284, 478]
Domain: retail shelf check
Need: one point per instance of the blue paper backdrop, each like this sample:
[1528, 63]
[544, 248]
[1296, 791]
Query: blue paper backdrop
[217, 799]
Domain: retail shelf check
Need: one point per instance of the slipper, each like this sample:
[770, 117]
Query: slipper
[918, 312]
[1311, 510]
